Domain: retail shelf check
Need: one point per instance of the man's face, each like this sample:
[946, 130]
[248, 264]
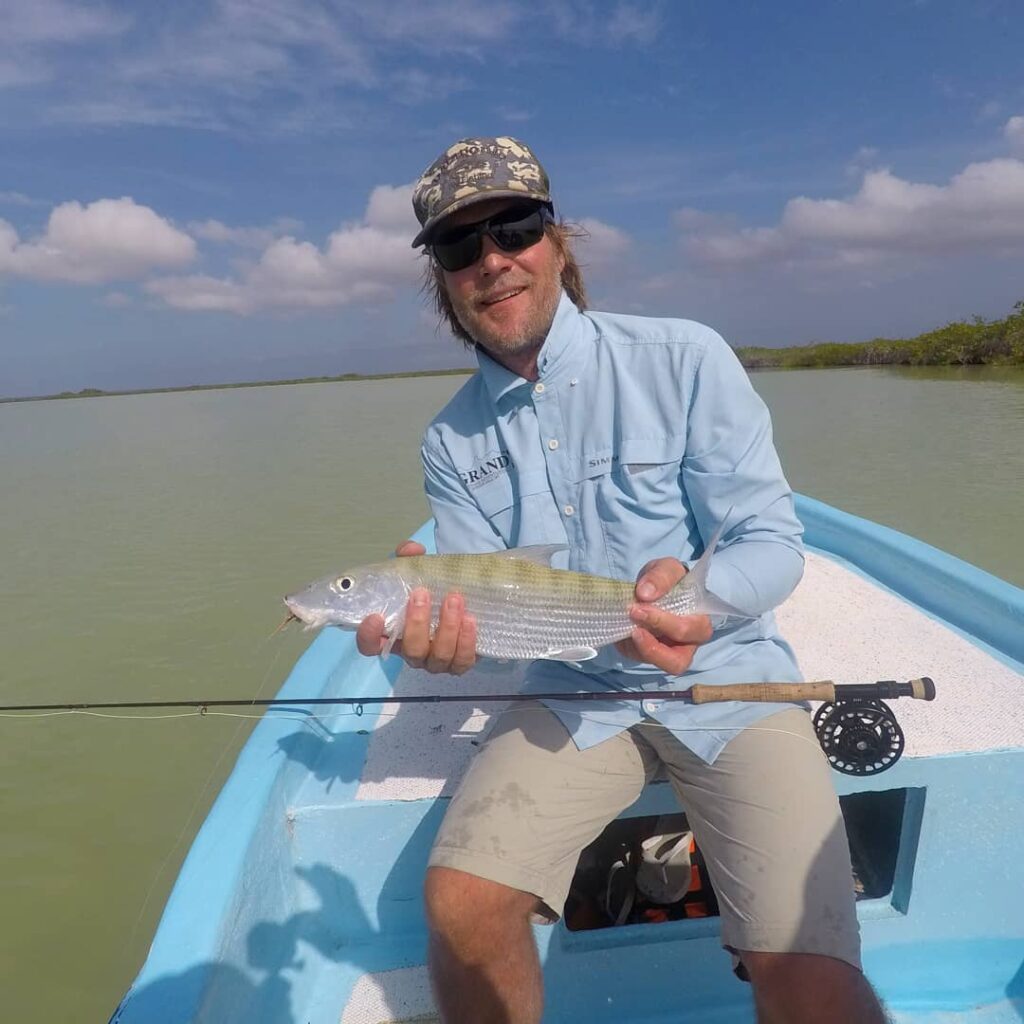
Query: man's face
[506, 301]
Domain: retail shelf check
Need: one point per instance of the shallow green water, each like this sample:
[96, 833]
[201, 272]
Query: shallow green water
[145, 542]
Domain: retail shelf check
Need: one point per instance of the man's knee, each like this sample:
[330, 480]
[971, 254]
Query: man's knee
[461, 906]
[811, 987]
[782, 968]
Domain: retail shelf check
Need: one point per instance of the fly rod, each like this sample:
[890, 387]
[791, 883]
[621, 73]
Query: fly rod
[823, 690]
[857, 731]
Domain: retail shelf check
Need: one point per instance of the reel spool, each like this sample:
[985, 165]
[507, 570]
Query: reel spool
[859, 737]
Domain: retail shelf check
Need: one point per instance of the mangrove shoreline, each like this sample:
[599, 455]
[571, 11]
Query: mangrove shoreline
[977, 342]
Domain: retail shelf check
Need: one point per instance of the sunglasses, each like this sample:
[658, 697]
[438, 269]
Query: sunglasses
[511, 230]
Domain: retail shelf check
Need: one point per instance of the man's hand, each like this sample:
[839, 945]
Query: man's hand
[453, 648]
[660, 638]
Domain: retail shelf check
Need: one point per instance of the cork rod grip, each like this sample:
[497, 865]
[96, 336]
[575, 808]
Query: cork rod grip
[764, 692]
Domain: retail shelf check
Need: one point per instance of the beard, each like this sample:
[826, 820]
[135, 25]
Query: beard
[520, 330]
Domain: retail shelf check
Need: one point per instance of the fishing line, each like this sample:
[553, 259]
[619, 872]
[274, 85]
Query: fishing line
[198, 800]
[297, 716]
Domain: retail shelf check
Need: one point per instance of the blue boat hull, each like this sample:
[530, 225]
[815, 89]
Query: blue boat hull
[296, 892]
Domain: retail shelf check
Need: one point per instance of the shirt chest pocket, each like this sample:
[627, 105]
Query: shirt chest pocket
[644, 479]
[517, 507]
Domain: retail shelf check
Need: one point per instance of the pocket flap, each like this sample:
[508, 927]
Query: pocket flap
[642, 453]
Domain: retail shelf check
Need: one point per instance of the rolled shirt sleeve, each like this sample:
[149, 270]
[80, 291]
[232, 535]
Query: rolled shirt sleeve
[731, 474]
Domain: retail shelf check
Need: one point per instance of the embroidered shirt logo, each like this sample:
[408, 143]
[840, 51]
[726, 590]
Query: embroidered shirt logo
[486, 470]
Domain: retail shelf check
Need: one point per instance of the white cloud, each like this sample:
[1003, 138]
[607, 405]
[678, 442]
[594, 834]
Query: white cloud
[866, 158]
[690, 219]
[244, 237]
[359, 262]
[200, 292]
[587, 24]
[415, 86]
[31, 30]
[1013, 132]
[107, 240]
[989, 110]
[285, 65]
[635, 23]
[316, 62]
[32, 22]
[390, 209]
[981, 206]
[602, 245]
[515, 114]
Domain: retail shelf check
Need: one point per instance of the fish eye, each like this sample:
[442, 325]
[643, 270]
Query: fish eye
[342, 583]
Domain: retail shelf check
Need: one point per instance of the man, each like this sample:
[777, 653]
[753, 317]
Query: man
[622, 438]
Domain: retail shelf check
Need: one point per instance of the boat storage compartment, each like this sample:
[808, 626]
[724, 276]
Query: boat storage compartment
[882, 827]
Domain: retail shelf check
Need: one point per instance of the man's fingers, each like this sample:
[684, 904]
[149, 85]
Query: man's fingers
[370, 635]
[446, 638]
[465, 650]
[674, 660]
[658, 577]
[628, 650]
[680, 629]
[416, 634]
[408, 548]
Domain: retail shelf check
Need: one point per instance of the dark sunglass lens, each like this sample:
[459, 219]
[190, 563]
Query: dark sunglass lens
[516, 228]
[458, 251]
[518, 233]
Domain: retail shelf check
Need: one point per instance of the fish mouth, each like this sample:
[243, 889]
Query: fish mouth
[297, 612]
[289, 618]
[311, 618]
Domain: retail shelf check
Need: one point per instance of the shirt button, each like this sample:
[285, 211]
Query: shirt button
[649, 707]
[573, 382]
[569, 510]
[553, 444]
[538, 389]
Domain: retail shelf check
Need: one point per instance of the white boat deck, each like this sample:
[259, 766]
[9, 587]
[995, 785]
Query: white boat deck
[419, 752]
[977, 707]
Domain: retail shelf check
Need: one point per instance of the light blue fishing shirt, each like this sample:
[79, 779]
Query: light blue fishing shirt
[638, 439]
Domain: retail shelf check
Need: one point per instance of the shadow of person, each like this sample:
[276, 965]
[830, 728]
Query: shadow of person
[426, 744]
[209, 993]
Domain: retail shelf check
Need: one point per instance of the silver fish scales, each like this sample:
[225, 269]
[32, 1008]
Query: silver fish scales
[524, 608]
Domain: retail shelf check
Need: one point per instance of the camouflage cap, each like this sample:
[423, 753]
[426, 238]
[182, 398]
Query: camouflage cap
[472, 170]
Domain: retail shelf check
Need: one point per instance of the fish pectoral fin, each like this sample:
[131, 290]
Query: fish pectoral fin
[539, 553]
[570, 654]
[394, 626]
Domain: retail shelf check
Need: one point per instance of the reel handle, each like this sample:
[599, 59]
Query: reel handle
[824, 690]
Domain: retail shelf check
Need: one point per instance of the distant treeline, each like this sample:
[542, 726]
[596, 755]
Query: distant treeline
[961, 343]
[99, 393]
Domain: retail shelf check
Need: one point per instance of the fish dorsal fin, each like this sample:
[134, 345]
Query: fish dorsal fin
[541, 554]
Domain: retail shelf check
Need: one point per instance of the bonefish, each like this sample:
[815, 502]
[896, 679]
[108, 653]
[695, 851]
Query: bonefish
[524, 608]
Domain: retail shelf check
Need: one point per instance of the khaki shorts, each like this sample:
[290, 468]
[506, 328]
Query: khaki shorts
[765, 816]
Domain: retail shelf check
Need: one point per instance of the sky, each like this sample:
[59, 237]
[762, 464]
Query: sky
[219, 191]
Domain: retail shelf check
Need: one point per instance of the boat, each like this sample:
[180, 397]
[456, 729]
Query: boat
[299, 902]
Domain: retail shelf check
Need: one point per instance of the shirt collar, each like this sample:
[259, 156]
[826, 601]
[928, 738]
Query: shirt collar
[565, 352]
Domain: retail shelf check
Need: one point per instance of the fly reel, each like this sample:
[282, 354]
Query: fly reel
[859, 737]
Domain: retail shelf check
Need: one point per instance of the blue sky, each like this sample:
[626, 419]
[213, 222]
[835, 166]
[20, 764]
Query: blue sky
[215, 191]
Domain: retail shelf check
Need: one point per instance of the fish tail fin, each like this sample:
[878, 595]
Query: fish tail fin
[696, 580]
